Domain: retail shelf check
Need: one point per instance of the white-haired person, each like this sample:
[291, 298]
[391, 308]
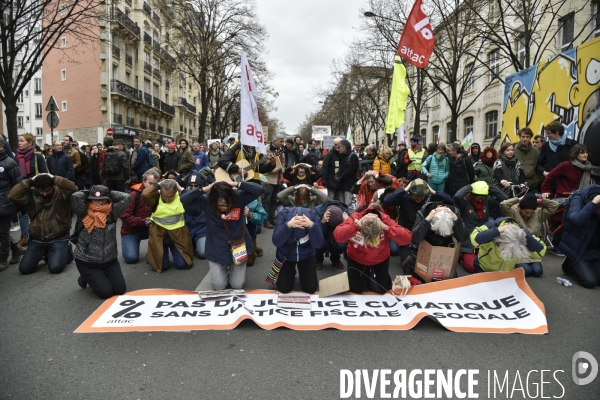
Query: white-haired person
[439, 224]
[367, 233]
[505, 245]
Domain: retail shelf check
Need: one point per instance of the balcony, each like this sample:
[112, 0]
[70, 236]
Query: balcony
[147, 39]
[156, 47]
[147, 9]
[187, 105]
[167, 108]
[130, 121]
[117, 118]
[160, 129]
[156, 102]
[128, 59]
[37, 91]
[116, 51]
[125, 90]
[156, 74]
[169, 61]
[38, 116]
[168, 131]
[147, 67]
[143, 124]
[152, 127]
[147, 98]
[155, 17]
[126, 22]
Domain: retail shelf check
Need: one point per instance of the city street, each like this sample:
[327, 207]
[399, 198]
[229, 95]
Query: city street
[41, 357]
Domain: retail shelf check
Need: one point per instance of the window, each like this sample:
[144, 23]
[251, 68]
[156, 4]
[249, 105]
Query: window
[146, 57]
[180, 91]
[38, 110]
[115, 72]
[521, 51]
[155, 63]
[436, 97]
[27, 118]
[20, 122]
[436, 134]
[470, 77]
[20, 98]
[63, 42]
[39, 132]
[494, 64]
[128, 78]
[424, 133]
[468, 125]
[491, 124]
[63, 9]
[567, 29]
[147, 86]
[26, 93]
[63, 74]
[37, 82]
[450, 133]
[64, 105]
[156, 92]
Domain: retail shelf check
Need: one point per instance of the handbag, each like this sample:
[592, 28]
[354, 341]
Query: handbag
[238, 246]
[273, 273]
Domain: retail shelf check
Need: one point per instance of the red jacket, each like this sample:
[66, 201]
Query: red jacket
[347, 231]
[567, 177]
[134, 217]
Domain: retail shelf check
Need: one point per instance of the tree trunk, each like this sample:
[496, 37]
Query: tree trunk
[11, 122]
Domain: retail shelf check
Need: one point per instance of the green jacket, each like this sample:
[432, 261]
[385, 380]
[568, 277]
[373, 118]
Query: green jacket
[489, 258]
[528, 158]
[484, 173]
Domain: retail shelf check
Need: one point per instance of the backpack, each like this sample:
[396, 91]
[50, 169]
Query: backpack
[151, 160]
[111, 164]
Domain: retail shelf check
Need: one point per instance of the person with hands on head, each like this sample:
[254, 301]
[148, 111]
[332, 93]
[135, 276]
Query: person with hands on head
[367, 233]
[525, 211]
[331, 218]
[300, 196]
[580, 240]
[297, 235]
[97, 211]
[168, 231]
[302, 174]
[224, 210]
[365, 187]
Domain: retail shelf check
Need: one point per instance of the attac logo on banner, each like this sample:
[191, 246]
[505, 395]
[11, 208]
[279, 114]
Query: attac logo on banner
[417, 41]
[494, 302]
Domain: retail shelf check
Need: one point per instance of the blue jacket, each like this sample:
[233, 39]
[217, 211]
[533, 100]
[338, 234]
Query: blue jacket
[217, 243]
[439, 172]
[195, 220]
[288, 240]
[579, 222]
[141, 163]
[61, 164]
[200, 161]
[409, 209]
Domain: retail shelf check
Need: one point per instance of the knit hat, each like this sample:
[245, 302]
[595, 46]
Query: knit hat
[480, 188]
[195, 178]
[419, 187]
[98, 192]
[335, 216]
[528, 202]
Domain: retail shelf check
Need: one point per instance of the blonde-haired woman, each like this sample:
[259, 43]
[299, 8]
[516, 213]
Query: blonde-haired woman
[383, 162]
[31, 163]
[368, 251]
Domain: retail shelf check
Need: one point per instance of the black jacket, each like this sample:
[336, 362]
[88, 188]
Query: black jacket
[171, 161]
[346, 175]
[401, 168]
[461, 174]
[331, 163]
[123, 173]
[9, 177]
[60, 164]
[549, 159]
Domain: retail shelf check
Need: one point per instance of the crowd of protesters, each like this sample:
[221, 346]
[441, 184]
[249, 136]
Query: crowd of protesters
[353, 203]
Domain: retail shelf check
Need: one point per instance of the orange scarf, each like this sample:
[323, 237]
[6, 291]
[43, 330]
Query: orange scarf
[96, 216]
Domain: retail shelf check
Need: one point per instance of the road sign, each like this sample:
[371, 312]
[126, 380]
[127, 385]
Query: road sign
[52, 106]
[52, 119]
[110, 132]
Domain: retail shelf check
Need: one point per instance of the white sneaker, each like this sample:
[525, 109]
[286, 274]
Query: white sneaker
[15, 228]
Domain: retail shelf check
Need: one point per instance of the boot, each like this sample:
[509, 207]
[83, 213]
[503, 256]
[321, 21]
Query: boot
[24, 241]
[3, 265]
[257, 249]
[17, 252]
[251, 259]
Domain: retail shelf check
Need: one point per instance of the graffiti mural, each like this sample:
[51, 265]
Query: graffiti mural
[566, 88]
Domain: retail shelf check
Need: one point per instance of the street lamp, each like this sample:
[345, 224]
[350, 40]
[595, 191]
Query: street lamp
[370, 14]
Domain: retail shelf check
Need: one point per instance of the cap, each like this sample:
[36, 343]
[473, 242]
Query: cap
[118, 141]
[99, 192]
[415, 139]
[528, 202]
[480, 188]
[419, 187]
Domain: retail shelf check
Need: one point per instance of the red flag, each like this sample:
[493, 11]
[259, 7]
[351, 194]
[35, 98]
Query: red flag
[417, 41]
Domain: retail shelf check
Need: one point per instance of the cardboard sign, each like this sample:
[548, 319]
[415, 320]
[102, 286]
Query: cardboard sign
[334, 285]
[435, 263]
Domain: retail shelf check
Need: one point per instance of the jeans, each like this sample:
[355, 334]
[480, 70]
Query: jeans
[335, 252]
[222, 274]
[270, 201]
[201, 247]
[587, 272]
[306, 270]
[411, 176]
[130, 246]
[438, 187]
[178, 260]
[57, 253]
[531, 269]
[106, 280]
[347, 198]
[394, 248]
[24, 223]
[80, 182]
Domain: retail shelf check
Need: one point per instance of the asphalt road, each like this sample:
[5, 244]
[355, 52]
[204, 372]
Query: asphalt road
[41, 357]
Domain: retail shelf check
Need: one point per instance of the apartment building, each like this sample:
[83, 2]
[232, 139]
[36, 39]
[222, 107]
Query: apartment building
[578, 21]
[127, 80]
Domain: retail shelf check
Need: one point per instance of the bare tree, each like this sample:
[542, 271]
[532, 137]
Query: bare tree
[29, 31]
[207, 41]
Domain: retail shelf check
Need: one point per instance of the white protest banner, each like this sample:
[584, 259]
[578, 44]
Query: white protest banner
[211, 141]
[328, 141]
[318, 131]
[251, 129]
[493, 302]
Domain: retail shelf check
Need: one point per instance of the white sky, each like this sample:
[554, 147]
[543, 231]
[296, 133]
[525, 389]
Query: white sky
[305, 36]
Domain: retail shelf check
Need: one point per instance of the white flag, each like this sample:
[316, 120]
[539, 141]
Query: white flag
[251, 133]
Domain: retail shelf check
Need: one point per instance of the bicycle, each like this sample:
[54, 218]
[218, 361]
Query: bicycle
[546, 232]
[515, 190]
